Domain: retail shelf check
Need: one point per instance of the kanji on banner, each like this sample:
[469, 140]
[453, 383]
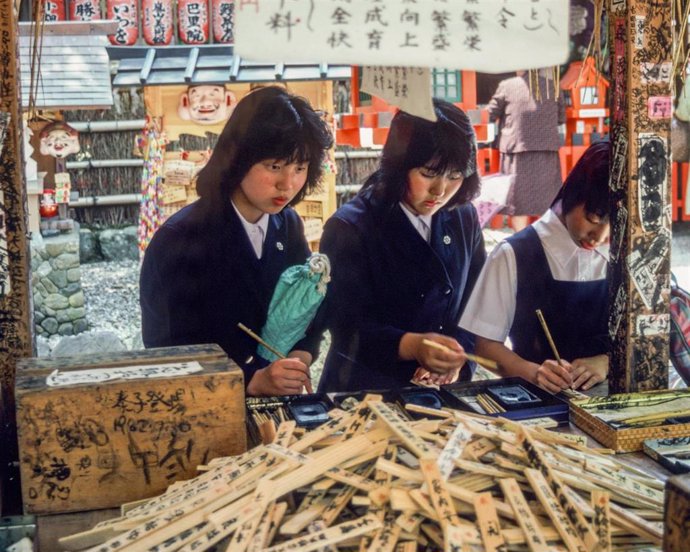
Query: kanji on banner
[158, 22]
[223, 21]
[192, 20]
[491, 36]
[408, 88]
[126, 14]
[84, 10]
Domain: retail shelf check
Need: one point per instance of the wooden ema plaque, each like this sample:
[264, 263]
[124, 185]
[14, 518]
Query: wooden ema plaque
[96, 431]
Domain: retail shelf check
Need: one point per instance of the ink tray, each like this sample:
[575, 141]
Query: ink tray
[673, 453]
[511, 398]
[308, 411]
[420, 396]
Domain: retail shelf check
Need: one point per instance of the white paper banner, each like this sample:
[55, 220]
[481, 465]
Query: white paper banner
[100, 375]
[491, 36]
[408, 88]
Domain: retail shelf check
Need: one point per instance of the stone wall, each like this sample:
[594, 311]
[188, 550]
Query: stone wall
[109, 245]
[56, 285]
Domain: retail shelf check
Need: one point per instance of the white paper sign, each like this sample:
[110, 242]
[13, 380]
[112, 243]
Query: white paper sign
[100, 375]
[491, 36]
[408, 88]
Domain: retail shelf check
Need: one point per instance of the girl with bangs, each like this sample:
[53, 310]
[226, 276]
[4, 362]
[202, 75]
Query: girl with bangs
[558, 265]
[405, 254]
[216, 262]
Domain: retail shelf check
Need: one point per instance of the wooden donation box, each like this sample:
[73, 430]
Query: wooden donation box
[96, 431]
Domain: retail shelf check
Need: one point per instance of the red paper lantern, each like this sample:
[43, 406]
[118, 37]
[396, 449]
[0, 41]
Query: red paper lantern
[127, 16]
[54, 10]
[192, 20]
[158, 22]
[224, 21]
[84, 10]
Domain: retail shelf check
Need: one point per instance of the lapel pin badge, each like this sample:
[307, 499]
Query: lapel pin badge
[279, 246]
[446, 240]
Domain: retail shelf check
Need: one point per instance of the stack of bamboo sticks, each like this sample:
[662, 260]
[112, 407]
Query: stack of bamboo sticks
[371, 480]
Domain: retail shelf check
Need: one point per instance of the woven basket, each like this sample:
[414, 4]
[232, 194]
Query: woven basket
[624, 440]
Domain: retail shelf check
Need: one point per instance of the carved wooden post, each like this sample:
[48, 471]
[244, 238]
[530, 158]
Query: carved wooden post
[641, 51]
[15, 305]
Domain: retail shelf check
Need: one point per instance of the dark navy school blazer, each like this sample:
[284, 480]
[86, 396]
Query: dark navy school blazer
[386, 281]
[200, 277]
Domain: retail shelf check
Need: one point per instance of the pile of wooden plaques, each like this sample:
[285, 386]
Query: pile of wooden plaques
[371, 480]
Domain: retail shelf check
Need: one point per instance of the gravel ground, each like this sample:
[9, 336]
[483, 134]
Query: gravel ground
[111, 292]
[111, 300]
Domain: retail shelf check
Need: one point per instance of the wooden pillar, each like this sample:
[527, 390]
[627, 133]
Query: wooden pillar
[641, 50]
[15, 306]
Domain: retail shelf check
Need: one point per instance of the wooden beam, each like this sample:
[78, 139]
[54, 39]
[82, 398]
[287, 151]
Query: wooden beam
[641, 52]
[15, 323]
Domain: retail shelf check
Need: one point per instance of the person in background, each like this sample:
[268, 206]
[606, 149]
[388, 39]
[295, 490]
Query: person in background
[405, 253]
[529, 142]
[216, 262]
[558, 265]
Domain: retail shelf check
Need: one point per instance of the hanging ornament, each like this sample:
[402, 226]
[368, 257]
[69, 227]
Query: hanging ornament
[58, 140]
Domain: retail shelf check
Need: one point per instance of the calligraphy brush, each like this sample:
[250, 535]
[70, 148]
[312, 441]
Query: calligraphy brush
[548, 337]
[275, 351]
[487, 363]
[260, 340]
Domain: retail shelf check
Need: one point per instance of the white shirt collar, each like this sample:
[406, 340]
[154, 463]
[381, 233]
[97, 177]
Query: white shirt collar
[421, 223]
[256, 231]
[560, 245]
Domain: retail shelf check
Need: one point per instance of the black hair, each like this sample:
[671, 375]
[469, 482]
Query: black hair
[447, 144]
[588, 182]
[268, 123]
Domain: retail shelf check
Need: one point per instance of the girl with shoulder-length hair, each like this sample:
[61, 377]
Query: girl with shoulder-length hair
[269, 123]
[449, 144]
[405, 254]
[216, 262]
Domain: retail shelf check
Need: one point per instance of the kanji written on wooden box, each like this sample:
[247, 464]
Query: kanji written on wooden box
[97, 431]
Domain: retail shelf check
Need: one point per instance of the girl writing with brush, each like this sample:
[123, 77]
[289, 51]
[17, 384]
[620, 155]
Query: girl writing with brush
[216, 262]
[557, 265]
[405, 254]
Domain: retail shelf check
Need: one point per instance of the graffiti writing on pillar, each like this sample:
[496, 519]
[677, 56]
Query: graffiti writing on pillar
[619, 160]
[618, 232]
[4, 262]
[651, 73]
[658, 38]
[652, 324]
[616, 312]
[648, 268]
[651, 165]
[14, 331]
[619, 89]
[655, 253]
[646, 359]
